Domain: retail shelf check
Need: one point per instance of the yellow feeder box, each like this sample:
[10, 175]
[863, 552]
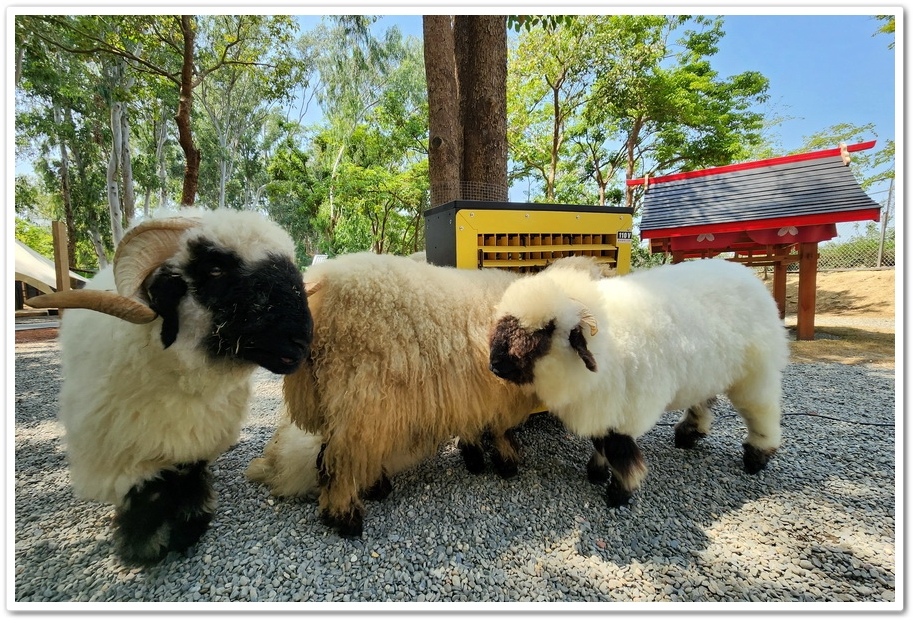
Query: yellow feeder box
[526, 237]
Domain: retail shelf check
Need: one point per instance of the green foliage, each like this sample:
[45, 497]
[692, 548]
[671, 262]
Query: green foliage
[860, 250]
[36, 237]
[592, 100]
[529, 22]
[888, 27]
[601, 97]
[641, 257]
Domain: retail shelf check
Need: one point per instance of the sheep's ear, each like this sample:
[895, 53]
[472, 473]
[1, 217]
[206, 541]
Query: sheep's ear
[577, 341]
[165, 288]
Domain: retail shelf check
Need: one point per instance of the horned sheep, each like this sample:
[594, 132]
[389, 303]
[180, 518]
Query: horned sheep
[157, 386]
[608, 357]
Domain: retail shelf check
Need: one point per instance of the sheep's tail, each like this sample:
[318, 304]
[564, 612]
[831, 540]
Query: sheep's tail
[289, 464]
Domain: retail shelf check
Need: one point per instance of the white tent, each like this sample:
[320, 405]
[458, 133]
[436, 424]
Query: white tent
[37, 270]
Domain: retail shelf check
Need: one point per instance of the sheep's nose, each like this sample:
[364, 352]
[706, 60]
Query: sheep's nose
[503, 368]
[302, 344]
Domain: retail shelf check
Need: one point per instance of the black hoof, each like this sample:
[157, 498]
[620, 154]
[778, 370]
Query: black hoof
[473, 455]
[598, 471]
[755, 459]
[167, 514]
[617, 496]
[506, 468]
[379, 491]
[349, 526]
[686, 436]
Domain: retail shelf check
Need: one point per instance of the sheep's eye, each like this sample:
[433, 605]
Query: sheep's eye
[216, 271]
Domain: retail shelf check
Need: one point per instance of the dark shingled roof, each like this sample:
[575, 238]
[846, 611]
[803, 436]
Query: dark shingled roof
[813, 188]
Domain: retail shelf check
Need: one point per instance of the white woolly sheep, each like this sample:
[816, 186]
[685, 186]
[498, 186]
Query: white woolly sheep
[147, 404]
[399, 365]
[608, 357]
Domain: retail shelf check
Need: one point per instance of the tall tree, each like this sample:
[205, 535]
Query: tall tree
[238, 98]
[62, 116]
[549, 79]
[466, 63]
[655, 82]
[166, 46]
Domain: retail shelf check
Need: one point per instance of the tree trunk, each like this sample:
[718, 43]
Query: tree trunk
[127, 171]
[161, 135]
[630, 193]
[99, 247]
[445, 134]
[112, 178]
[65, 191]
[482, 65]
[183, 118]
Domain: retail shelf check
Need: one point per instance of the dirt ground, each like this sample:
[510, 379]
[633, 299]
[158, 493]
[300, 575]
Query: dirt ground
[853, 317]
[863, 293]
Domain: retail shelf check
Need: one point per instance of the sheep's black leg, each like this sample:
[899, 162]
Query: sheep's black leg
[755, 459]
[348, 525]
[167, 513]
[380, 490]
[598, 469]
[505, 454]
[473, 455]
[694, 426]
[627, 468]
[323, 476]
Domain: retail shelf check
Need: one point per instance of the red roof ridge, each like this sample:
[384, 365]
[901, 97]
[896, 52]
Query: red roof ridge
[743, 166]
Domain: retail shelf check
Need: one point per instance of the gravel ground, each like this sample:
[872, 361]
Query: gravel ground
[816, 529]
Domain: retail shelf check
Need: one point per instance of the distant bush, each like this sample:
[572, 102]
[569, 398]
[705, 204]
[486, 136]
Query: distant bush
[860, 251]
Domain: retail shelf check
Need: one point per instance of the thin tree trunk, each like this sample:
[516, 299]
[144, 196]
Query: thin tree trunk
[223, 172]
[183, 118]
[630, 193]
[96, 239]
[161, 135]
[65, 192]
[127, 171]
[112, 178]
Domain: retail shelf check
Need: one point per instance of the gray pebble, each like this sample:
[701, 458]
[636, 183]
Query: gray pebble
[818, 525]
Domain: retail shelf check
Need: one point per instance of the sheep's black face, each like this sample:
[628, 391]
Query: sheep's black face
[515, 349]
[259, 311]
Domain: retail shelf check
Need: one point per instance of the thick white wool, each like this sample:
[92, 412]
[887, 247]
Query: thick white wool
[668, 338]
[131, 407]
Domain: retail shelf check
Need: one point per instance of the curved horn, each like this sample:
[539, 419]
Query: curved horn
[144, 248]
[586, 318]
[311, 287]
[104, 301]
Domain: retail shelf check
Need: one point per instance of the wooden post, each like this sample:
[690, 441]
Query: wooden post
[779, 287]
[807, 288]
[61, 260]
